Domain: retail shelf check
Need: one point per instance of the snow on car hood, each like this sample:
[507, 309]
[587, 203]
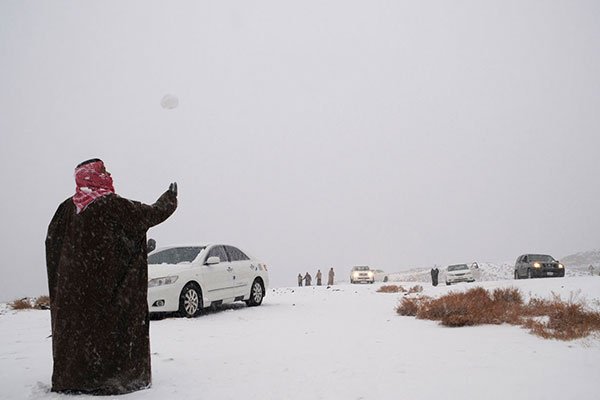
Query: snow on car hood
[160, 270]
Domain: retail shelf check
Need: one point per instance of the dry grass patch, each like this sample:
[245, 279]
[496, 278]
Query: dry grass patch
[20, 304]
[564, 320]
[391, 289]
[415, 289]
[27, 303]
[409, 306]
[42, 303]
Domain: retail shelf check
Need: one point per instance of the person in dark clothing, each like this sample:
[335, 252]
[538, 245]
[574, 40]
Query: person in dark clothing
[300, 279]
[96, 259]
[319, 277]
[434, 276]
[307, 279]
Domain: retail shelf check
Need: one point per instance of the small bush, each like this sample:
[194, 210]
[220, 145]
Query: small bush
[415, 289]
[507, 295]
[409, 306]
[27, 303]
[391, 289]
[564, 320]
[20, 304]
[42, 303]
[459, 309]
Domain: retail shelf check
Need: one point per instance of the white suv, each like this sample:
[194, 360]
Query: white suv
[362, 274]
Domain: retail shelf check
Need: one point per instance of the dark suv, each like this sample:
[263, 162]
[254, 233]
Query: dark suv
[537, 266]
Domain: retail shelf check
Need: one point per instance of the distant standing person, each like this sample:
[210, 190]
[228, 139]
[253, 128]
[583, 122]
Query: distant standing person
[330, 277]
[299, 279]
[307, 279]
[434, 276]
[96, 259]
[319, 276]
[591, 269]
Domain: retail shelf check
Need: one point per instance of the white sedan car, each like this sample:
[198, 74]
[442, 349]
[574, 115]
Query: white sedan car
[459, 273]
[186, 279]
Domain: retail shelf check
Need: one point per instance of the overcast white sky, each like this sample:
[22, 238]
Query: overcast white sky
[310, 133]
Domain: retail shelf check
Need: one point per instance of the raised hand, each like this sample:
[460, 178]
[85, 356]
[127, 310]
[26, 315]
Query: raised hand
[173, 188]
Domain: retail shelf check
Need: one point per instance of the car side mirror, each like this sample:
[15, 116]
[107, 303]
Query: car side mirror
[213, 260]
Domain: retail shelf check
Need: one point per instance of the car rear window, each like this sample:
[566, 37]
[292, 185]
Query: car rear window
[175, 255]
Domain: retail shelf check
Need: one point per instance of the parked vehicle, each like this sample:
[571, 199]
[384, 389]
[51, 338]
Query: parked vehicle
[186, 279]
[362, 274]
[538, 266]
[458, 273]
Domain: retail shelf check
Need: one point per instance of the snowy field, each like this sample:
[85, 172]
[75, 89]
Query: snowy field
[345, 342]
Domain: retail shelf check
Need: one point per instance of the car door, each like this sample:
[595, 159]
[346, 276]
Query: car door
[523, 266]
[242, 270]
[218, 278]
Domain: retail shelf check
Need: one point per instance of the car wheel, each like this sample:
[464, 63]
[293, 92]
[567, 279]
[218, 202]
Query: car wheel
[529, 274]
[257, 293]
[447, 283]
[516, 274]
[190, 300]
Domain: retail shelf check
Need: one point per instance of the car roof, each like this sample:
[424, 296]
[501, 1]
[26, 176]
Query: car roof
[205, 245]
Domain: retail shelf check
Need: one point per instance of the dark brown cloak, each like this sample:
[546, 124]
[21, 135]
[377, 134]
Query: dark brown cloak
[98, 280]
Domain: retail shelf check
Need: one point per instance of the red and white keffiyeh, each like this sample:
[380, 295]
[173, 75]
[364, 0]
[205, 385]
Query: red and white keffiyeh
[93, 182]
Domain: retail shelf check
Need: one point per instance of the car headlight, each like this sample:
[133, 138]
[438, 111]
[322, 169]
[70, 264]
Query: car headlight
[165, 280]
[560, 266]
[370, 274]
[536, 265]
[355, 274]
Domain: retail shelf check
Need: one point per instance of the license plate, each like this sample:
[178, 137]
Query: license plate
[550, 273]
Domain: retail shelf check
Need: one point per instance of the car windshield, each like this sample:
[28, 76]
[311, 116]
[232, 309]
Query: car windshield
[361, 269]
[457, 267]
[175, 255]
[540, 257]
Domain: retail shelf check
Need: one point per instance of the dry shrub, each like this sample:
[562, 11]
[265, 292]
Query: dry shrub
[565, 320]
[415, 289]
[459, 309]
[409, 306]
[20, 304]
[391, 289]
[546, 318]
[507, 295]
[42, 303]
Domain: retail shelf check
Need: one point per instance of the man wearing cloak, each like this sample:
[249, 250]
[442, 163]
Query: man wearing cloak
[96, 258]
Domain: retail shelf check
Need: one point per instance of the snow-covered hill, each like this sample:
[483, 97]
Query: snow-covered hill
[576, 265]
[485, 271]
[579, 263]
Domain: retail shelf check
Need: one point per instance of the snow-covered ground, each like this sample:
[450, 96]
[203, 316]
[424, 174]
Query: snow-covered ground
[344, 342]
